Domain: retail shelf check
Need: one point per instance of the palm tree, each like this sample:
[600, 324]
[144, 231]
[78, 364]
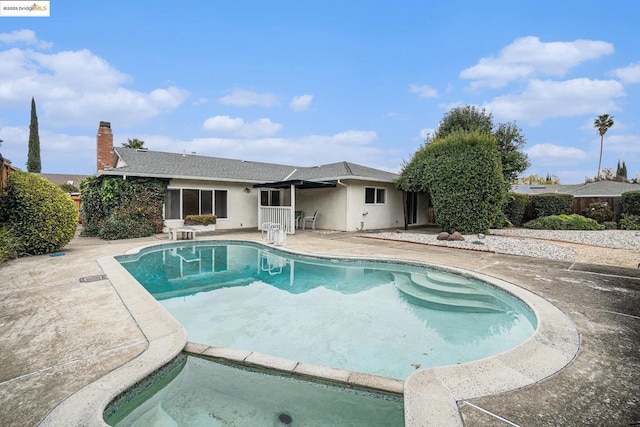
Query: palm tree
[602, 123]
[133, 143]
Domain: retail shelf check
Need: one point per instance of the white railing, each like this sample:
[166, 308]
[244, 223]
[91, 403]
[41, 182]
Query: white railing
[276, 214]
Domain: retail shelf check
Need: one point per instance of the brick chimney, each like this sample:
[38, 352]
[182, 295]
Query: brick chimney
[105, 146]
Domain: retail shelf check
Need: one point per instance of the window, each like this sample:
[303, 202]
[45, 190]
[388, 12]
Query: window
[270, 198]
[375, 196]
[189, 201]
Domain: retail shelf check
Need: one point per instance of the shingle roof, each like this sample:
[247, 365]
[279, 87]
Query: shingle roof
[60, 178]
[189, 166]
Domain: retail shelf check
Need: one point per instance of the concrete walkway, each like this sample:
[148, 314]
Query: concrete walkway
[58, 334]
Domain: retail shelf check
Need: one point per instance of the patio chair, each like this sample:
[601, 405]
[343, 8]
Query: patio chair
[311, 219]
[298, 218]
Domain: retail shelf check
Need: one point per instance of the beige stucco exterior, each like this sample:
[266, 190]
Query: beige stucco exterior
[341, 208]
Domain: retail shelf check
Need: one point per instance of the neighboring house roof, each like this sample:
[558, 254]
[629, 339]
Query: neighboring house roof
[190, 166]
[591, 189]
[59, 178]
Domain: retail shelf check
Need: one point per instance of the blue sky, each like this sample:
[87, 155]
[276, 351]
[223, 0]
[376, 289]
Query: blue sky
[306, 83]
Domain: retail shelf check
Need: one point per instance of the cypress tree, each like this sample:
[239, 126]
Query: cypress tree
[33, 159]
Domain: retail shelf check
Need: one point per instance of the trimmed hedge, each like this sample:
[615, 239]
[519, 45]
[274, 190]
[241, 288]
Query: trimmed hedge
[514, 208]
[548, 204]
[464, 176]
[128, 222]
[630, 202]
[564, 222]
[630, 222]
[39, 214]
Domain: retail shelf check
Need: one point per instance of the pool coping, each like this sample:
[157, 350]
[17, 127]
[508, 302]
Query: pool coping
[431, 396]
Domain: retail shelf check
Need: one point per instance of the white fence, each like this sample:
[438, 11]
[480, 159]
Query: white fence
[276, 214]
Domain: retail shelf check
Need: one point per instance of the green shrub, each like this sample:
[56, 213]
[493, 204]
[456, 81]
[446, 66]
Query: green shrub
[598, 211]
[564, 222]
[630, 222]
[463, 174]
[113, 200]
[42, 216]
[630, 202]
[514, 208]
[548, 204]
[127, 223]
[200, 219]
[10, 247]
[610, 225]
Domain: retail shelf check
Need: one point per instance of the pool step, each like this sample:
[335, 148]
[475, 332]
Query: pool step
[456, 287]
[447, 279]
[428, 299]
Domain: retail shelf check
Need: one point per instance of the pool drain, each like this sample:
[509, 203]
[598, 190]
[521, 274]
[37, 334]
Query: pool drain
[285, 419]
[93, 278]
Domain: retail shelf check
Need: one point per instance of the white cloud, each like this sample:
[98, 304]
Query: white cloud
[552, 154]
[246, 98]
[223, 124]
[622, 143]
[27, 37]
[543, 99]
[426, 133]
[529, 57]
[424, 91]
[628, 74]
[237, 126]
[301, 103]
[78, 87]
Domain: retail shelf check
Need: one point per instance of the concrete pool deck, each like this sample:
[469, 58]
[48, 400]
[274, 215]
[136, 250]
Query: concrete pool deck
[60, 335]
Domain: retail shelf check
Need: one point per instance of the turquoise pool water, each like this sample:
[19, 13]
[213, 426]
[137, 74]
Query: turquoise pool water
[380, 318]
[197, 392]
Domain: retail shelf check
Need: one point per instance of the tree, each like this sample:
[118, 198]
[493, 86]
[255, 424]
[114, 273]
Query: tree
[463, 174]
[33, 159]
[602, 123]
[508, 136]
[621, 171]
[535, 179]
[133, 143]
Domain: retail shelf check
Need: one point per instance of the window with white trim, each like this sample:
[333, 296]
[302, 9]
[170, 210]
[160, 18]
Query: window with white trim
[375, 196]
[181, 202]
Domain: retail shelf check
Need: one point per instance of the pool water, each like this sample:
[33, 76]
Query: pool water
[380, 318]
[201, 392]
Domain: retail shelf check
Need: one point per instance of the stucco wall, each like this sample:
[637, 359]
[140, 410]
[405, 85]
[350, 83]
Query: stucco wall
[331, 204]
[242, 209]
[374, 216]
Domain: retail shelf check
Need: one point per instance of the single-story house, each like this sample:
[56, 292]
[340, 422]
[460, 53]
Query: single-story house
[248, 194]
[609, 192]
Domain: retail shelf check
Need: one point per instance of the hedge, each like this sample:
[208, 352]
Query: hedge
[39, 214]
[552, 204]
[514, 208]
[630, 202]
[464, 176]
[564, 222]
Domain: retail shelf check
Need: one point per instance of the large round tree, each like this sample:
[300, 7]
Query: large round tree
[41, 215]
[462, 172]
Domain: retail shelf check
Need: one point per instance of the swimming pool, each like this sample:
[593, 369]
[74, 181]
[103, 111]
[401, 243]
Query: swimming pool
[192, 391]
[381, 318]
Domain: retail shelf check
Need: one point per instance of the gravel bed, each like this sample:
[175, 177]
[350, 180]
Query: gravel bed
[617, 239]
[525, 242]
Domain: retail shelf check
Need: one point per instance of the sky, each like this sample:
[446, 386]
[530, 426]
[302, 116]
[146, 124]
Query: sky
[308, 83]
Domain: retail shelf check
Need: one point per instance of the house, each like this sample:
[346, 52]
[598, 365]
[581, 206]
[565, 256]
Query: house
[609, 192]
[248, 194]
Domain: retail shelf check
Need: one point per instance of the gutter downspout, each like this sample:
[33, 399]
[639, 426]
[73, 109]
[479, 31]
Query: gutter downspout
[346, 224]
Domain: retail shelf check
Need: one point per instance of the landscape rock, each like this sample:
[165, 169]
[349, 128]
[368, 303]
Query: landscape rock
[456, 236]
[443, 236]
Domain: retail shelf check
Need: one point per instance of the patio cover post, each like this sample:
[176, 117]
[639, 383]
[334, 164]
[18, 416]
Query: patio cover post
[293, 208]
